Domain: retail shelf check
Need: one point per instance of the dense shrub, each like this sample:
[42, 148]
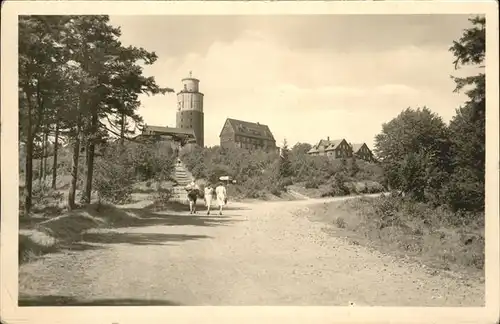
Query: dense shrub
[338, 186]
[44, 195]
[255, 172]
[121, 166]
[340, 222]
[313, 183]
[259, 173]
[45, 199]
[114, 176]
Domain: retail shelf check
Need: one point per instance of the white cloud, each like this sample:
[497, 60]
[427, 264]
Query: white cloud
[395, 89]
[304, 96]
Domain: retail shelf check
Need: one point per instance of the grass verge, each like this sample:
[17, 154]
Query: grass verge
[433, 236]
[57, 233]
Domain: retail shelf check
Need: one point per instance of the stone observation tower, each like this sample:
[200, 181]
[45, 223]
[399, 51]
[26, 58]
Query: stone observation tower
[190, 108]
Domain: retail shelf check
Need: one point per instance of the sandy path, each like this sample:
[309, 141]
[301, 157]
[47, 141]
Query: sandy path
[264, 255]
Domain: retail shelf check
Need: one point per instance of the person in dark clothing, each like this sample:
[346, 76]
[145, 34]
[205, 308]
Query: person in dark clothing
[193, 192]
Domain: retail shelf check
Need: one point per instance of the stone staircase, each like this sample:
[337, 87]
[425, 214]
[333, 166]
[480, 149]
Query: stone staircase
[183, 177]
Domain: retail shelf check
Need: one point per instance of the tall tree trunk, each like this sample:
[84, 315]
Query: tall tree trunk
[39, 123]
[40, 167]
[74, 167]
[54, 162]
[90, 157]
[45, 152]
[28, 182]
[122, 130]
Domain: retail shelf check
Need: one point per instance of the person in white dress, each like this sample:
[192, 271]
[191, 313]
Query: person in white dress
[208, 196]
[221, 194]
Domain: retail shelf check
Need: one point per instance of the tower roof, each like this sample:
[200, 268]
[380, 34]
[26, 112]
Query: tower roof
[190, 77]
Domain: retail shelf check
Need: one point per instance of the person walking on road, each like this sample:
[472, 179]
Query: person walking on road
[208, 196]
[193, 193]
[221, 194]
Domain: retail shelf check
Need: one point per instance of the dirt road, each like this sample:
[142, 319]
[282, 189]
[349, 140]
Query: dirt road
[255, 254]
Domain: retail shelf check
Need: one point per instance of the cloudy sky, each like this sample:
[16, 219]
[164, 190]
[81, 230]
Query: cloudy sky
[307, 77]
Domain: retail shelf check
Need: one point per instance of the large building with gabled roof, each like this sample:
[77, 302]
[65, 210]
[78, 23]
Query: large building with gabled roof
[248, 135]
[338, 148]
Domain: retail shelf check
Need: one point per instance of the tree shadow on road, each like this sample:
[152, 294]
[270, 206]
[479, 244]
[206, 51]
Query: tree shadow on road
[139, 238]
[78, 246]
[151, 218]
[71, 301]
[175, 206]
[30, 250]
[67, 229]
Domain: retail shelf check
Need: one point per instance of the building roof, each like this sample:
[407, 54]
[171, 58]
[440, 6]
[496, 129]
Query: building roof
[356, 147]
[333, 144]
[327, 144]
[161, 130]
[249, 129]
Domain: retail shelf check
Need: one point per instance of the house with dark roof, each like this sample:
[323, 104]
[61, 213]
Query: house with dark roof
[336, 149]
[248, 135]
[361, 151]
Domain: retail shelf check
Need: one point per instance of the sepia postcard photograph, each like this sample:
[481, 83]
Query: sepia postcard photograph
[339, 155]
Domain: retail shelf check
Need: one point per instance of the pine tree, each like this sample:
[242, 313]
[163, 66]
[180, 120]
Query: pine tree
[354, 166]
[467, 128]
[74, 74]
[285, 168]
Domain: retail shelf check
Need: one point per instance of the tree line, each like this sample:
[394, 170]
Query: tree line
[436, 163]
[78, 85]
